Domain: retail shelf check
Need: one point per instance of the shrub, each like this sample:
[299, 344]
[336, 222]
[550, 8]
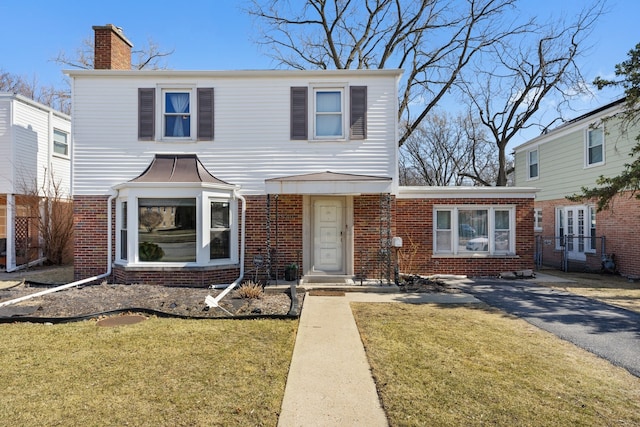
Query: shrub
[150, 251]
[250, 290]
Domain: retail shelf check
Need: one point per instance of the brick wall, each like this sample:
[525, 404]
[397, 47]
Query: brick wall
[412, 220]
[90, 236]
[370, 236]
[285, 232]
[414, 223]
[620, 226]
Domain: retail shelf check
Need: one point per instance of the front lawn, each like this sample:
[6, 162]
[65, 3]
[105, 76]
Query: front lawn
[456, 365]
[161, 372]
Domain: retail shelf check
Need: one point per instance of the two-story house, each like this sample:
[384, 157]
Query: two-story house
[574, 235]
[34, 154]
[197, 177]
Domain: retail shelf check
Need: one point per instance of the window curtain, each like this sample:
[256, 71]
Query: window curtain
[179, 104]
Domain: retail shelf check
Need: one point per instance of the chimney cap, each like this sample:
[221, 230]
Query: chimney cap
[117, 30]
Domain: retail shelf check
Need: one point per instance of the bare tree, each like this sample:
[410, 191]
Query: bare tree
[53, 210]
[433, 40]
[47, 95]
[149, 57]
[444, 150]
[506, 88]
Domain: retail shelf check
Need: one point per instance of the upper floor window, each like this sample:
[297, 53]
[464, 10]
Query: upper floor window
[329, 121]
[532, 160]
[180, 113]
[177, 114]
[333, 113]
[60, 142]
[595, 146]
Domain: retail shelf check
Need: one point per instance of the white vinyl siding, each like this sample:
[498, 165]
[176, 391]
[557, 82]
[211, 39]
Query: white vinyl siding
[252, 130]
[27, 159]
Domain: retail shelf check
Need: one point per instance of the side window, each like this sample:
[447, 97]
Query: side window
[444, 232]
[60, 142]
[537, 219]
[220, 230]
[595, 146]
[532, 160]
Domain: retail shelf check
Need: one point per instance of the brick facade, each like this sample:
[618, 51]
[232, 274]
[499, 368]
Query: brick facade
[277, 223]
[620, 227]
[414, 223]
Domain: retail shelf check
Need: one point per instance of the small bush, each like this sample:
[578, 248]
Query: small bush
[250, 290]
[149, 251]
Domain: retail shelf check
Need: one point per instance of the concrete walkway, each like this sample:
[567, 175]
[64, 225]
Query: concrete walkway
[329, 381]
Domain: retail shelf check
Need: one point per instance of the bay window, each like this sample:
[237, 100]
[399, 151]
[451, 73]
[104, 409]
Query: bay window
[470, 230]
[181, 226]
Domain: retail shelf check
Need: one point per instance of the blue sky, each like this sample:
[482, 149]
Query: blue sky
[216, 34]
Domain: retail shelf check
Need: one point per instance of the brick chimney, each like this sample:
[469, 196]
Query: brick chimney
[112, 50]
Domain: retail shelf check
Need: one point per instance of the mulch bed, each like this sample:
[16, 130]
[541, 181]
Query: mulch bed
[178, 301]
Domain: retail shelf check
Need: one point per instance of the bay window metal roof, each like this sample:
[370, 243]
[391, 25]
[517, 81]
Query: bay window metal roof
[177, 168]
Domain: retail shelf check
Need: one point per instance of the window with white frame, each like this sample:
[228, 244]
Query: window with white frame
[469, 230]
[176, 118]
[594, 146]
[532, 160]
[329, 113]
[176, 113]
[60, 142]
[220, 231]
[185, 226]
[537, 219]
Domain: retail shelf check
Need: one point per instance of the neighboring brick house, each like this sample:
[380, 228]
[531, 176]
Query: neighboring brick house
[34, 150]
[574, 235]
[199, 175]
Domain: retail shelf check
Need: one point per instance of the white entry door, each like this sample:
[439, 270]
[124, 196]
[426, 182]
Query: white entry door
[328, 235]
[577, 227]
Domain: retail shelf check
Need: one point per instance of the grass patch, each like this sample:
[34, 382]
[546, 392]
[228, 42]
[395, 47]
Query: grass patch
[610, 289]
[463, 365]
[158, 372]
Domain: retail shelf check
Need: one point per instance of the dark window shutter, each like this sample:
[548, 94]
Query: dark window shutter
[358, 120]
[146, 114]
[205, 114]
[299, 116]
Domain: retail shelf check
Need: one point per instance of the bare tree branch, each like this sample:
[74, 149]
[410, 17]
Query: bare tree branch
[525, 71]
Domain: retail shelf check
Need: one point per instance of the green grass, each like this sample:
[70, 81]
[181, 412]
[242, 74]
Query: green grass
[155, 373]
[474, 366]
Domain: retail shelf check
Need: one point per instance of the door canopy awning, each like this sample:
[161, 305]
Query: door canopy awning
[329, 183]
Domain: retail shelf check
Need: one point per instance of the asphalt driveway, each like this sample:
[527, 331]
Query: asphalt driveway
[610, 332]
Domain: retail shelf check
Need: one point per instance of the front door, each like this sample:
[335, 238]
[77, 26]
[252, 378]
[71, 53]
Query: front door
[328, 235]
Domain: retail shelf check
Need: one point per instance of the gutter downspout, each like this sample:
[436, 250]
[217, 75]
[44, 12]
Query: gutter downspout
[211, 301]
[83, 281]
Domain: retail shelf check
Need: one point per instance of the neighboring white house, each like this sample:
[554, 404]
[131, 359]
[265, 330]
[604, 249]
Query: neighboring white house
[34, 148]
[563, 161]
